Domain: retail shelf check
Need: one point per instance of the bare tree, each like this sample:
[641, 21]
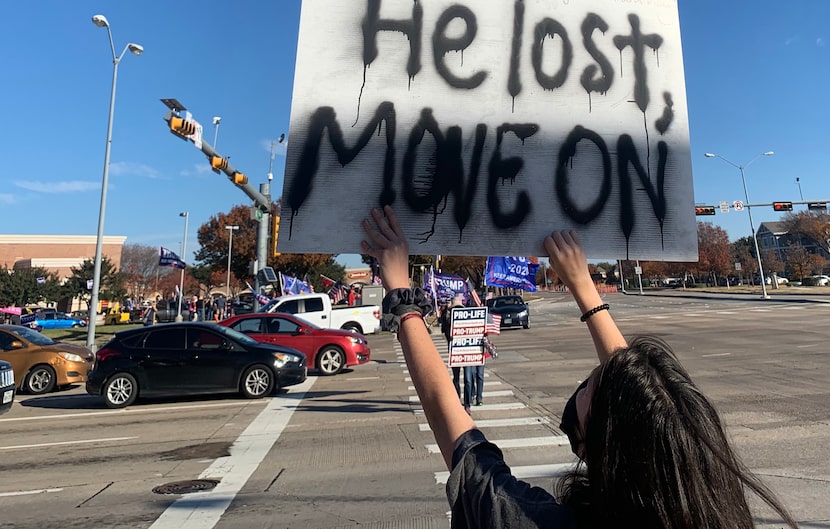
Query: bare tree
[139, 266]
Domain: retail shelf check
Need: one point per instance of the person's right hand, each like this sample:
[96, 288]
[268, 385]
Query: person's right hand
[567, 258]
[389, 246]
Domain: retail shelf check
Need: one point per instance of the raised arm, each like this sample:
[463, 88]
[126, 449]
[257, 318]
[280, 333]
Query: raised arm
[568, 259]
[447, 419]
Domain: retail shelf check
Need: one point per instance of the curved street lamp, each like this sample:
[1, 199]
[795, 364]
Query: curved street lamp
[186, 216]
[741, 168]
[135, 49]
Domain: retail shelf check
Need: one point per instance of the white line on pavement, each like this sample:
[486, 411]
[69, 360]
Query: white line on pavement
[15, 447]
[127, 411]
[715, 354]
[27, 492]
[203, 510]
[490, 383]
[527, 442]
[500, 393]
[498, 423]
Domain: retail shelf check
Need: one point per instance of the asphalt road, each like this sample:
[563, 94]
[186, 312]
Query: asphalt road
[354, 450]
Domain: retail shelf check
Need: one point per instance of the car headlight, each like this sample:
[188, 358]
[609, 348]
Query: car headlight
[357, 340]
[72, 357]
[280, 359]
[522, 314]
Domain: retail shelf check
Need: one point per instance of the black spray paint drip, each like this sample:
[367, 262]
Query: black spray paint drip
[664, 122]
[508, 169]
[590, 82]
[627, 155]
[514, 84]
[442, 45]
[638, 42]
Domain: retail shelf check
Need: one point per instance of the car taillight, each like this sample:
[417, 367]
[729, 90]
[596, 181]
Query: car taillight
[376, 313]
[104, 353]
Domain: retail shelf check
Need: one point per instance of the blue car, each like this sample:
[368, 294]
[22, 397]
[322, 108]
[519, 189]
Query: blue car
[58, 320]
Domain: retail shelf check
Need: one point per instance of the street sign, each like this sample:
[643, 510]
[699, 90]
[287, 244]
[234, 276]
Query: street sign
[738, 205]
[737, 266]
[197, 136]
[724, 206]
[638, 270]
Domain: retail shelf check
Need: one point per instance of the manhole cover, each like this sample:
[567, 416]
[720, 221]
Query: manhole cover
[186, 487]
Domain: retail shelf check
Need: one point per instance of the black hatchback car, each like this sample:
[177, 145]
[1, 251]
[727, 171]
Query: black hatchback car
[189, 359]
[6, 386]
[513, 310]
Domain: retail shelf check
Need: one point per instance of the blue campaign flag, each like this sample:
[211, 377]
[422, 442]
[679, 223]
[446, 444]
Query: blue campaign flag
[169, 258]
[511, 272]
[294, 285]
[444, 287]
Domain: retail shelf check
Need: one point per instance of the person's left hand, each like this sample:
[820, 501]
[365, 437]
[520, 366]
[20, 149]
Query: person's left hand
[389, 247]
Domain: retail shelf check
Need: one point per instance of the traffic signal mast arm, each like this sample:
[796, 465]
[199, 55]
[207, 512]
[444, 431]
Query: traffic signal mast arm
[182, 128]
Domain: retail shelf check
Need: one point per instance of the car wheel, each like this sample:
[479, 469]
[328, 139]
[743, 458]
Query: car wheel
[353, 327]
[41, 379]
[257, 381]
[120, 391]
[330, 360]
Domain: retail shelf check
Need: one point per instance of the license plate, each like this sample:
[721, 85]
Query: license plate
[8, 396]
[508, 320]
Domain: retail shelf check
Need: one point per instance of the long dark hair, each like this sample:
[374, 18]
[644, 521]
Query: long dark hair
[656, 455]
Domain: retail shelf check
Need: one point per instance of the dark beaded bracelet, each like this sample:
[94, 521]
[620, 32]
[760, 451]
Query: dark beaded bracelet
[588, 314]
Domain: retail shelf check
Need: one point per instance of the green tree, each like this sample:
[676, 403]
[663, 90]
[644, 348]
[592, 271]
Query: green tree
[24, 286]
[112, 282]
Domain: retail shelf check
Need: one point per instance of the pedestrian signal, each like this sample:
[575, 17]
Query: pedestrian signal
[782, 206]
[704, 210]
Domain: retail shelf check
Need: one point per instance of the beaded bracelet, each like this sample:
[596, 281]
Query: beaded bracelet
[588, 314]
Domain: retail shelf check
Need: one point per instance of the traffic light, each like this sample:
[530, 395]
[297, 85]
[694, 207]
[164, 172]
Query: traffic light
[704, 210]
[817, 207]
[782, 206]
[218, 163]
[181, 127]
[276, 233]
[240, 179]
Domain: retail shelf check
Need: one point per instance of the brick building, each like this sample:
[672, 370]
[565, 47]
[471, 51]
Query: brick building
[56, 253]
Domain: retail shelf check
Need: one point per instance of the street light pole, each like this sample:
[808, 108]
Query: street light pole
[230, 229]
[136, 49]
[798, 181]
[741, 168]
[186, 216]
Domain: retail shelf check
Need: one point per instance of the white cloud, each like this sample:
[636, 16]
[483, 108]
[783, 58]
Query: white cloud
[199, 168]
[820, 42]
[790, 40]
[59, 187]
[133, 169]
[7, 198]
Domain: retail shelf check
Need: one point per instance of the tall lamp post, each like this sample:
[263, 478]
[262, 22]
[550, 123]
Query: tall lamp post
[135, 49]
[186, 216]
[230, 229]
[741, 168]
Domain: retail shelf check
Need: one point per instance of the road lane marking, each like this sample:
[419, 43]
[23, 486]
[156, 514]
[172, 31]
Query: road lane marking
[27, 492]
[61, 443]
[527, 442]
[498, 423]
[524, 472]
[500, 393]
[490, 383]
[715, 354]
[126, 411]
[361, 378]
[203, 510]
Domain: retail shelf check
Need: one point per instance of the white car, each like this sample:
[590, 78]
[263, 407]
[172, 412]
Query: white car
[781, 280]
[820, 280]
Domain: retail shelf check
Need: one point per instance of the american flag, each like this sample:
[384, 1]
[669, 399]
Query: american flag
[336, 293]
[493, 324]
[327, 281]
[473, 293]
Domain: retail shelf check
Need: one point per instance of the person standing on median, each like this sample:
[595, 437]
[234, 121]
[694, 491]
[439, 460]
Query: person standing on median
[653, 452]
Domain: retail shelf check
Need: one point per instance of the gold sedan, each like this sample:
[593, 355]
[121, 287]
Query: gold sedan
[41, 364]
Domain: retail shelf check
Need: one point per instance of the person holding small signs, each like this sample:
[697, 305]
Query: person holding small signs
[652, 450]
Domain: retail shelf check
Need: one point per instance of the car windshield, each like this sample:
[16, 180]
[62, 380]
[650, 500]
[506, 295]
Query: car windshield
[503, 302]
[267, 306]
[236, 335]
[33, 336]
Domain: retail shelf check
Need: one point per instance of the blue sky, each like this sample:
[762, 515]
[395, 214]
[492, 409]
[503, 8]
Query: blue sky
[756, 77]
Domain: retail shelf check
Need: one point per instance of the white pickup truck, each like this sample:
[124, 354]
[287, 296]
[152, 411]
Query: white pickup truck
[317, 309]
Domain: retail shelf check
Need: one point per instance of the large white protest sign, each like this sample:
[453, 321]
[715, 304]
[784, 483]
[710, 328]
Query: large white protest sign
[487, 125]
